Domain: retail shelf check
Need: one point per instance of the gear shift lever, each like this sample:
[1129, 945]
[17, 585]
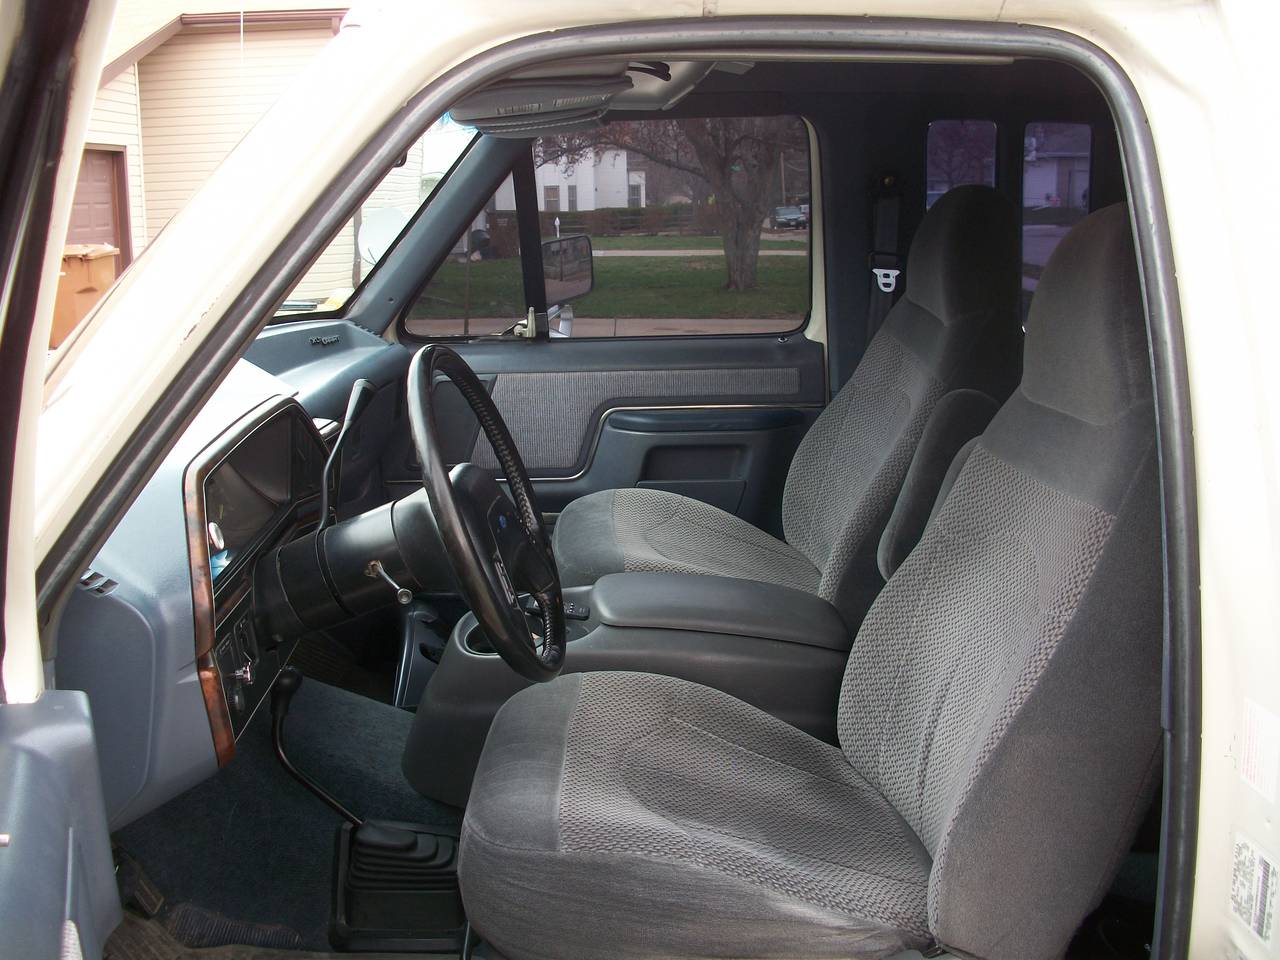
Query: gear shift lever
[286, 685]
[395, 884]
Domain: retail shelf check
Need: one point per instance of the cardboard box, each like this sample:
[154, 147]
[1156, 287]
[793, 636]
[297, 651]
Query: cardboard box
[88, 269]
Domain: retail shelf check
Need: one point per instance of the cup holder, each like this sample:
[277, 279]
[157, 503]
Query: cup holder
[476, 641]
[472, 637]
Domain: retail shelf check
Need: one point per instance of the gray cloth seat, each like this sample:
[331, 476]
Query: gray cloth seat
[956, 324]
[998, 719]
[731, 823]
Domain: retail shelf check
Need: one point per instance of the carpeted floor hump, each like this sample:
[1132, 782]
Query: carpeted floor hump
[251, 845]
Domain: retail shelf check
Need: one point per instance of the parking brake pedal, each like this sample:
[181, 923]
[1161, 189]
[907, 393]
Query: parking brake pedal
[396, 890]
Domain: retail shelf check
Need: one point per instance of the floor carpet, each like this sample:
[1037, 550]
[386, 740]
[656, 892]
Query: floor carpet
[252, 846]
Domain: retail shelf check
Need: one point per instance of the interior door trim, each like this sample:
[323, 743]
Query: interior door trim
[605, 414]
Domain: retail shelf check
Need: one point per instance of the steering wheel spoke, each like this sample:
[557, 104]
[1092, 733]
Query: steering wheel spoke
[496, 543]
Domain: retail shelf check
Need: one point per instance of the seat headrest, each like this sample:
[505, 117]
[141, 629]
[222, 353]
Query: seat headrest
[965, 253]
[1086, 347]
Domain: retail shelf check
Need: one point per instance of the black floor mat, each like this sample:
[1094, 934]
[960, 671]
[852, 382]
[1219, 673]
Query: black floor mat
[251, 845]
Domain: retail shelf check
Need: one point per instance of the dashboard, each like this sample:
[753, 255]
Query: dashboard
[255, 488]
[165, 633]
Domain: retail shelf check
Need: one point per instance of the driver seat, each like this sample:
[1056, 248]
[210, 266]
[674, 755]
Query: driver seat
[998, 720]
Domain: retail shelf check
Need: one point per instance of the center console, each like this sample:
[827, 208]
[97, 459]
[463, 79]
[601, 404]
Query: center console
[778, 648]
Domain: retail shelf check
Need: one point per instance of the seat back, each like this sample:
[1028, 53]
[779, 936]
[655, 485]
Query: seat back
[1003, 693]
[960, 304]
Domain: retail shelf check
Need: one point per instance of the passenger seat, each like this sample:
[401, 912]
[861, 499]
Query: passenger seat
[957, 325]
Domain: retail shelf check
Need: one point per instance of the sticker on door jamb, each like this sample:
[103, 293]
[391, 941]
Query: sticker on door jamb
[1259, 756]
[1253, 888]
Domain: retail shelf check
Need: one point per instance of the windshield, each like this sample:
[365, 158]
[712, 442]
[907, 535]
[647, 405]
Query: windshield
[367, 237]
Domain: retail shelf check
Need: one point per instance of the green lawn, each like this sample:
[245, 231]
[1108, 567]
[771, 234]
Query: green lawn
[664, 241]
[650, 287]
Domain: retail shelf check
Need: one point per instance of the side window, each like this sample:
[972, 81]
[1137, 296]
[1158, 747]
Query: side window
[698, 227]
[959, 152]
[479, 289]
[1055, 192]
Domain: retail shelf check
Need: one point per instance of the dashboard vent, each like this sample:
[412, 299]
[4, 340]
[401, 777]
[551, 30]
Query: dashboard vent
[97, 583]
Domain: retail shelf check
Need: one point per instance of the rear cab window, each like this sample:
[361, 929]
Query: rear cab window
[958, 152]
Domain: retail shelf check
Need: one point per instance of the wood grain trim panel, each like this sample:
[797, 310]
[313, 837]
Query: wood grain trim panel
[202, 609]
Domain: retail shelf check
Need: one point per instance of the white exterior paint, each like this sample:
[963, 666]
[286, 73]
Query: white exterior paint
[1206, 77]
[1040, 182]
[201, 92]
[116, 122]
[610, 171]
[601, 182]
[339, 270]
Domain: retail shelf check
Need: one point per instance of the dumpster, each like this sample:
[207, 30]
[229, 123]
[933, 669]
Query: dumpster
[88, 269]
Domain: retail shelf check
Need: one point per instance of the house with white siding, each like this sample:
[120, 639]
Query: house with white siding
[183, 82]
[606, 179]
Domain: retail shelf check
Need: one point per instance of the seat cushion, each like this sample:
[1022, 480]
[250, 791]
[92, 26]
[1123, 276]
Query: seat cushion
[633, 815]
[637, 529]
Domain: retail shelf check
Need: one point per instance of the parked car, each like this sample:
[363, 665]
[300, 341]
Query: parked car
[789, 218]
[840, 599]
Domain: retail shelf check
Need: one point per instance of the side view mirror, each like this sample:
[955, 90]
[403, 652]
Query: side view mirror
[568, 268]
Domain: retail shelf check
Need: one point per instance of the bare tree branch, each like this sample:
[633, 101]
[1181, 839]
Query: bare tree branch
[737, 158]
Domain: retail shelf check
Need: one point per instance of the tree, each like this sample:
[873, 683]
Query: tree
[734, 159]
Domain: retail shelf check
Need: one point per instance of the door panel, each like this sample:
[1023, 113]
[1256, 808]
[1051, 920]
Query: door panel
[57, 880]
[717, 419]
[554, 416]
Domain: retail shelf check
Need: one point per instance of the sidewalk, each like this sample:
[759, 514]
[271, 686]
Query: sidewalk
[691, 253]
[608, 327]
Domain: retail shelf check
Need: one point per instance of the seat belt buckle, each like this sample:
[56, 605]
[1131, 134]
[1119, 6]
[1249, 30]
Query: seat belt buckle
[886, 279]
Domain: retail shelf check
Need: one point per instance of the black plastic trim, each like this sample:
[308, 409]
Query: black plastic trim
[529, 226]
[211, 359]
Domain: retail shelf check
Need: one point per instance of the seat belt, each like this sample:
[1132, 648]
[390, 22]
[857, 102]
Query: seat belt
[884, 261]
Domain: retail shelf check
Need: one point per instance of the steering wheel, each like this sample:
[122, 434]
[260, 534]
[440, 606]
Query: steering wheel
[497, 548]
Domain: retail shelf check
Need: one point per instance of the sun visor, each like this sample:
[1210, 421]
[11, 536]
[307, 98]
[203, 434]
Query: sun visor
[525, 108]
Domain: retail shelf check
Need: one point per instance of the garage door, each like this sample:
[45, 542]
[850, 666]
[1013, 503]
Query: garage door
[95, 212]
